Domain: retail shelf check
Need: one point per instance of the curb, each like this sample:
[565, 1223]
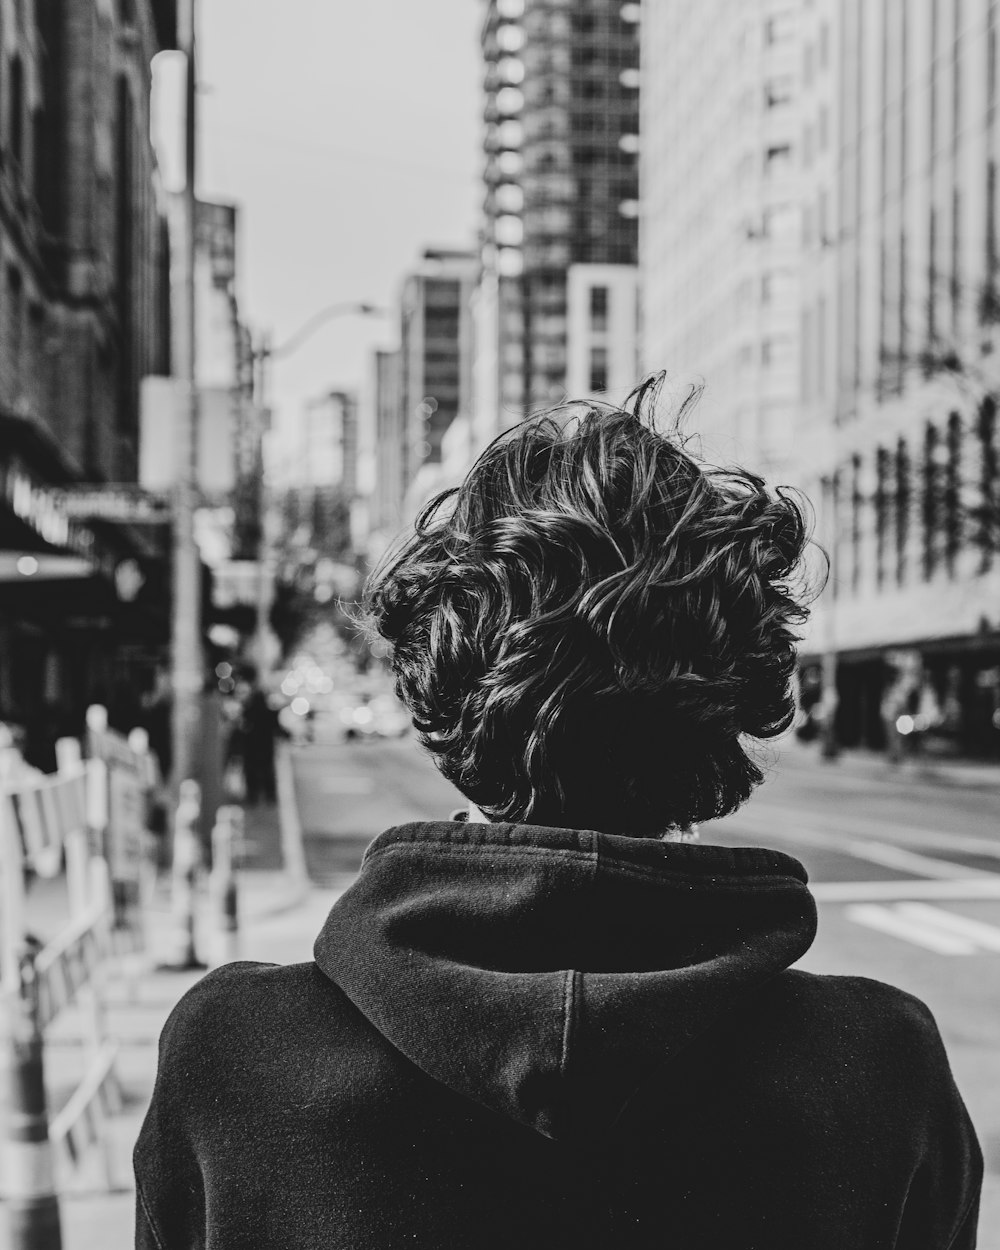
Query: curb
[959, 776]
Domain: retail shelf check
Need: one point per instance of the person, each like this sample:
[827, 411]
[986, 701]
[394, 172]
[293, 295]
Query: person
[559, 1023]
[260, 730]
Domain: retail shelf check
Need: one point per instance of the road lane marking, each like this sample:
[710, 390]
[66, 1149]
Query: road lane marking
[886, 891]
[907, 861]
[977, 931]
[909, 929]
[783, 825]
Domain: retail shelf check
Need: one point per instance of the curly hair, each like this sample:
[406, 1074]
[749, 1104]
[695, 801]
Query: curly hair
[587, 628]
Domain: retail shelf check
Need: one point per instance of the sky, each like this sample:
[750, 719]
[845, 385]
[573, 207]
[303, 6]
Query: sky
[349, 136]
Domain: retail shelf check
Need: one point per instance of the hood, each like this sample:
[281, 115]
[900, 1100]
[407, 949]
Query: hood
[549, 973]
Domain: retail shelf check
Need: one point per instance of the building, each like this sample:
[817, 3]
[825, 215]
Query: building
[720, 256]
[899, 330]
[84, 316]
[819, 239]
[560, 143]
[435, 362]
[319, 500]
[387, 485]
[602, 330]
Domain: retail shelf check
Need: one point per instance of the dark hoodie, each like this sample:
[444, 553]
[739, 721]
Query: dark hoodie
[516, 1036]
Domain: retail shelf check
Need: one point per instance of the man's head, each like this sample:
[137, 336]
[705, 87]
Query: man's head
[585, 628]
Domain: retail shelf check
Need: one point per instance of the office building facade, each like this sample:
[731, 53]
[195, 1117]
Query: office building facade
[820, 227]
[560, 170]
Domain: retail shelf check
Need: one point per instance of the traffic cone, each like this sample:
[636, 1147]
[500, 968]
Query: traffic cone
[29, 1166]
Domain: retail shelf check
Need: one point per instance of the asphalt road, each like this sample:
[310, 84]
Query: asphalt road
[906, 872]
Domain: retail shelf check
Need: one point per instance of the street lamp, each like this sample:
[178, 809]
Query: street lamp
[261, 354]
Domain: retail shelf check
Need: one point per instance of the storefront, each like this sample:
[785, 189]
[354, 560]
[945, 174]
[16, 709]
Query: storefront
[940, 696]
[84, 611]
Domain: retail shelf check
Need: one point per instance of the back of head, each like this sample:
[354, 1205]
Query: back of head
[587, 629]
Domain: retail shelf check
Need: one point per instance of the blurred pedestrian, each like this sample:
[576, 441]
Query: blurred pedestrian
[561, 1022]
[259, 733]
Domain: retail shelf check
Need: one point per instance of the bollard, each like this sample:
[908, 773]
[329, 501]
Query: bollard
[223, 885]
[31, 1198]
[184, 878]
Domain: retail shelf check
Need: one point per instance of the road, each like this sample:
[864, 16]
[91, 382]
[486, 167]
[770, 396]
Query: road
[906, 872]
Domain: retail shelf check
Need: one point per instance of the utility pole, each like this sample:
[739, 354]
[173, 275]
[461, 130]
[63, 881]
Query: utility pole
[265, 575]
[186, 660]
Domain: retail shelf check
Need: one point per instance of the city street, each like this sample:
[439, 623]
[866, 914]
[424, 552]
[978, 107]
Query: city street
[906, 871]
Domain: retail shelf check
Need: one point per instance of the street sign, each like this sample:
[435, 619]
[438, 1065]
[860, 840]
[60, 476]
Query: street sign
[126, 503]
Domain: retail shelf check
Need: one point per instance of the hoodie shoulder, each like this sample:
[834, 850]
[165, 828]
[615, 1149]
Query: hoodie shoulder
[885, 1040]
[242, 1002]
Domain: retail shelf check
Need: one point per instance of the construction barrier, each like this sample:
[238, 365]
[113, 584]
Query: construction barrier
[123, 772]
[43, 822]
[227, 841]
[185, 874]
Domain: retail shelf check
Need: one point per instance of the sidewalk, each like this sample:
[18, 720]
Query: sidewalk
[280, 915]
[927, 770]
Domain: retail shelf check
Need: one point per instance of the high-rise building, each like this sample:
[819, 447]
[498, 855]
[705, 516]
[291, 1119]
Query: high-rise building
[561, 142]
[388, 485]
[820, 241]
[720, 244]
[435, 362]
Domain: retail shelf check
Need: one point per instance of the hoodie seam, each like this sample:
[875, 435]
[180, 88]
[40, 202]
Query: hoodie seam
[569, 1012]
[708, 880]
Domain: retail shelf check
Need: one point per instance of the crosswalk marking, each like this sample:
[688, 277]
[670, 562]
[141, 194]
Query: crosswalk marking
[977, 931]
[908, 861]
[887, 891]
[931, 927]
[891, 921]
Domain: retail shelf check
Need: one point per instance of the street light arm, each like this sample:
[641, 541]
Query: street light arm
[315, 322]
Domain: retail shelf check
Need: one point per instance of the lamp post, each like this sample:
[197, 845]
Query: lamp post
[186, 654]
[262, 354]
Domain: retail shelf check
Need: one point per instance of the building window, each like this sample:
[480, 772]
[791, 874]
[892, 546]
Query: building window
[779, 29]
[778, 92]
[989, 306]
[989, 485]
[808, 65]
[956, 260]
[902, 508]
[882, 469]
[599, 308]
[857, 513]
[931, 288]
[823, 128]
[777, 160]
[805, 357]
[930, 501]
[14, 322]
[952, 494]
[598, 369]
[821, 346]
[776, 352]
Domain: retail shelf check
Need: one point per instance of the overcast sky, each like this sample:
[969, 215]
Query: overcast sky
[348, 133]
